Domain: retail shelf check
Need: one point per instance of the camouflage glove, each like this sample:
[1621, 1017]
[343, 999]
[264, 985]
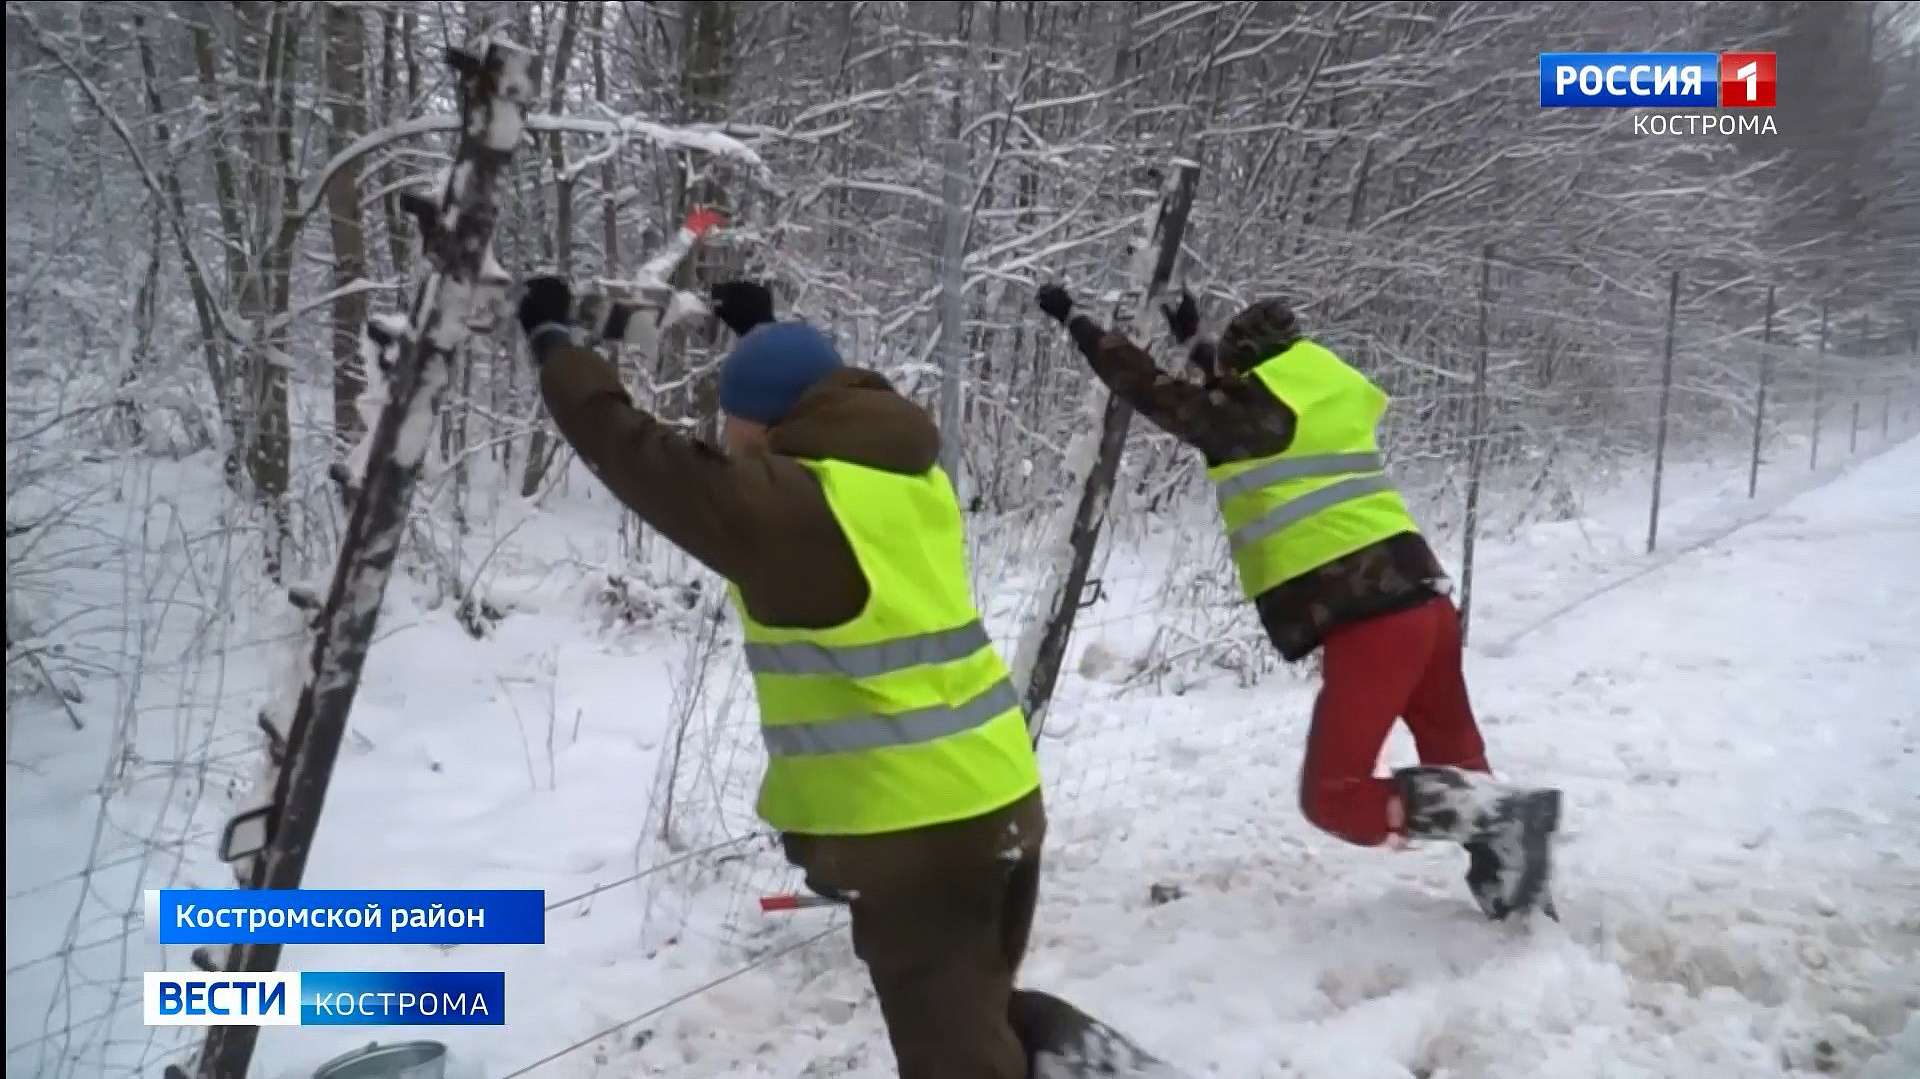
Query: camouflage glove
[1055, 302]
[1183, 320]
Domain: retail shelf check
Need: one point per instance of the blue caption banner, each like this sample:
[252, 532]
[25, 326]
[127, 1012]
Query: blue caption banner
[323, 916]
[402, 998]
[1622, 80]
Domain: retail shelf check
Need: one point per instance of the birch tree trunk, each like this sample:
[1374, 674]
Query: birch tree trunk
[706, 83]
[609, 174]
[540, 451]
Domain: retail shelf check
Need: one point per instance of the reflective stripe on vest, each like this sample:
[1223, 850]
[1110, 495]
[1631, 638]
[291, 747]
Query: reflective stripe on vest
[1294, 468]
[905, 715]
[849, 734]
[1306, 506]
[868, 660]
[1325, 496]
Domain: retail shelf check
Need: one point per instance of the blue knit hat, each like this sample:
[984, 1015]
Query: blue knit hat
[772, 367]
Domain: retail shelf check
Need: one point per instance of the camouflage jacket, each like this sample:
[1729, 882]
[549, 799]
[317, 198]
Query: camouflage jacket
[1229, 417]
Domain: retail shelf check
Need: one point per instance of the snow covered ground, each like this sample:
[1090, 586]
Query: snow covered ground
[1738, 734]
[1736, 722]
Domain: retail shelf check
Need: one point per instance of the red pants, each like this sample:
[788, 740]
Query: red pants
[1404, 665]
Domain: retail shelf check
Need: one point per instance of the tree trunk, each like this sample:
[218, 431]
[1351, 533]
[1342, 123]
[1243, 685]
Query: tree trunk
[273, 449]
[706, 83]
[609, 176]
[259, 260]
[129, 411]
[211, 339]
[541, 451]
[392, 28]
[227, 188]
[346, 84]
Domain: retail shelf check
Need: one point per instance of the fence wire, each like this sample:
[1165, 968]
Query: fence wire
[1525, 400]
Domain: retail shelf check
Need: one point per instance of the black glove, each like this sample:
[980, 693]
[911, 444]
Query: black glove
[1184, 319]
[546, 314]
[1055, 302]
[547, 299]
[742, 305]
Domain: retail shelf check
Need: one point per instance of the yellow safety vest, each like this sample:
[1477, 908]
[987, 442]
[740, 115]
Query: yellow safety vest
[1327, 495]
[905, 716]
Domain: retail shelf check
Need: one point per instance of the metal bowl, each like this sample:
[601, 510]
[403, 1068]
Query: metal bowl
[402, 1060]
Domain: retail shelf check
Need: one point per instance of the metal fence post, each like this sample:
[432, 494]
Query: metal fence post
[1859, 391]
[1477, 448]
[1666, 396]
[1853, 438]
[1913, 383]
[1819, 369]
[1760, 402]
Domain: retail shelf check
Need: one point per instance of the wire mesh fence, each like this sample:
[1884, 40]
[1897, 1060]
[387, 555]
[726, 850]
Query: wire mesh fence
[1506, 426]
[135, 594]
[1535, 398]
[1525, 400]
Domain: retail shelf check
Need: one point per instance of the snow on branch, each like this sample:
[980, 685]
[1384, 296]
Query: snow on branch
[706, 138]
[148, 177]
[356, 287]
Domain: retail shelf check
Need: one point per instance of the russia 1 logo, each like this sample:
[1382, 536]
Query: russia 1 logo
[1746, 80]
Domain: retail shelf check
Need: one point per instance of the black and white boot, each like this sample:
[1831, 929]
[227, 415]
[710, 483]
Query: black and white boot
[1507, 831]
[1063, 1042]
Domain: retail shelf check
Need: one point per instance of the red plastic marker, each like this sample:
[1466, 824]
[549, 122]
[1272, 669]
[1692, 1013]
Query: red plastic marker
[793, 901]
[704, 219]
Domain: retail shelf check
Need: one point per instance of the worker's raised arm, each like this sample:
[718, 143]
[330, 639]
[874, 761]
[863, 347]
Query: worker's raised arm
[1225, 418]
[709, 505]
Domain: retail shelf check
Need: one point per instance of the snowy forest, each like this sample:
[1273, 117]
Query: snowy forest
[1603, 346]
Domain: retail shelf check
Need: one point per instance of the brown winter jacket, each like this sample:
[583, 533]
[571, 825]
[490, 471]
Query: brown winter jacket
[948, 905]
[759, 520]
[1233, 418]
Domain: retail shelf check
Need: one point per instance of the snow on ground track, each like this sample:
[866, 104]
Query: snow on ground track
[1739, 739]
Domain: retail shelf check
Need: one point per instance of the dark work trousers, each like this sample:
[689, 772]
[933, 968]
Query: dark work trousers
[941, 920]
[1400, 666]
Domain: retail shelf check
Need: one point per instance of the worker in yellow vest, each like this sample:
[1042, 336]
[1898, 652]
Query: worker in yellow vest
[1332, 559]
[899, 768]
